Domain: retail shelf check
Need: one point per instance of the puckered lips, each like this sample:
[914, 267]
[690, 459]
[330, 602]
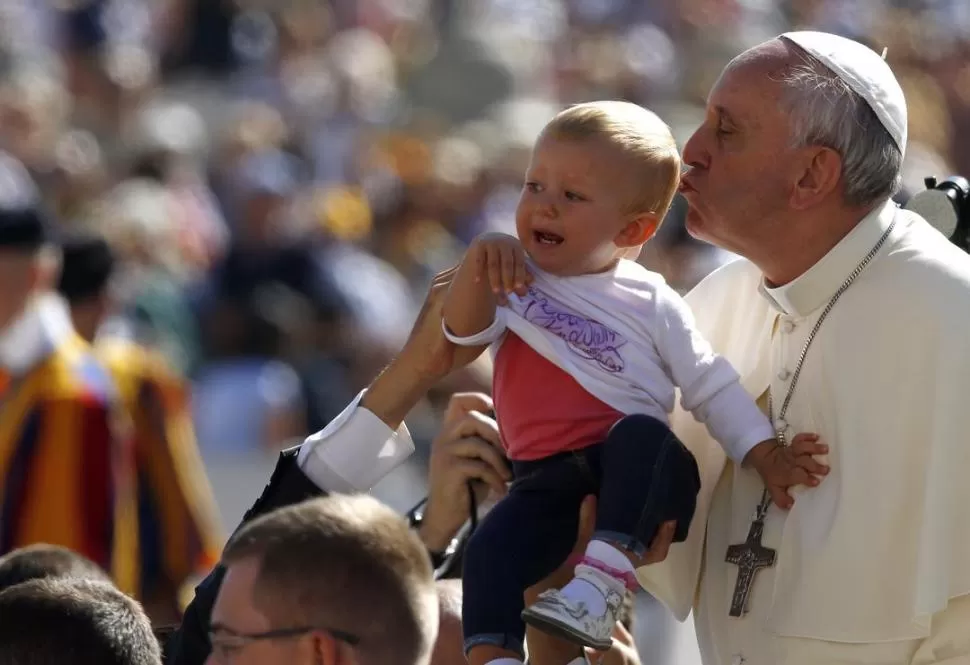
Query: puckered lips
[686, 187]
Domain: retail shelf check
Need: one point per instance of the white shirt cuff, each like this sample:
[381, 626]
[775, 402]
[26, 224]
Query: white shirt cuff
[354, 451]
[487, 336]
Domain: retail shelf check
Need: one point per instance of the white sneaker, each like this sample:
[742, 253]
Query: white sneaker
[571, 620]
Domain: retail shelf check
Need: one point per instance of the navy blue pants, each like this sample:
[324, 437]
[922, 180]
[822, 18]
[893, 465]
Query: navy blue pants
[643, 476]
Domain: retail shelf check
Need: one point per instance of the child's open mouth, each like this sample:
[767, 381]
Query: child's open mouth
[544, 238]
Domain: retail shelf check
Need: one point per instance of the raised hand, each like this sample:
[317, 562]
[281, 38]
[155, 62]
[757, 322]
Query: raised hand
[500, 261]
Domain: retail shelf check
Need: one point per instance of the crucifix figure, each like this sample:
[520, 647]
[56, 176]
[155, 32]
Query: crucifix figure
[750, 557]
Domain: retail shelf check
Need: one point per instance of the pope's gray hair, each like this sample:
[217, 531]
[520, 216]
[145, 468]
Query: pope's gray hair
[826, 111]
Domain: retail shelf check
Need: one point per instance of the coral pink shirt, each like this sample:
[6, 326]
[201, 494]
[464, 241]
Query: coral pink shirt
[541, 409]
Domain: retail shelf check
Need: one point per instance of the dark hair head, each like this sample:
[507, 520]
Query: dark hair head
[68, 621]
[42, 561]
[86, 267]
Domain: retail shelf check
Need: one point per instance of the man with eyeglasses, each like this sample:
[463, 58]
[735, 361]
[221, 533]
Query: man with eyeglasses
[340, 580]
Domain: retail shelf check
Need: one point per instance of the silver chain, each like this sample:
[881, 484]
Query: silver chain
[779, 431]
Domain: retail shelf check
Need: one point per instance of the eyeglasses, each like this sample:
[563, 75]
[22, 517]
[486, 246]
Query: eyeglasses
[225, 641]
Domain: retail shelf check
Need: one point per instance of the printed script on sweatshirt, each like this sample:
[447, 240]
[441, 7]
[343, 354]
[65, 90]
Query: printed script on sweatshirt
[585, 337]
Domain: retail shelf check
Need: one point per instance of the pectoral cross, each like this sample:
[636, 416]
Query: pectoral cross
[750, 557]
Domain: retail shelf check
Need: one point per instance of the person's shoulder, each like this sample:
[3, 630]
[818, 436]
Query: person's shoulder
[926, 269]
[124, 357]
[133, 365]
[636, 281]
[74, 374]
[726, 281]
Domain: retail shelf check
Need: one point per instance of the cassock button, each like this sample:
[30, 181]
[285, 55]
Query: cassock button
[787, 325]
[784, 375]
[781, 425]
[737, 660]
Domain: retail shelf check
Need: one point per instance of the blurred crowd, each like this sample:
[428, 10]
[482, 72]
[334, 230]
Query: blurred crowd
[281, 179]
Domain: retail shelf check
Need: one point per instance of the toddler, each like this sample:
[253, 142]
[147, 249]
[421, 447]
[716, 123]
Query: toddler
[589, 347]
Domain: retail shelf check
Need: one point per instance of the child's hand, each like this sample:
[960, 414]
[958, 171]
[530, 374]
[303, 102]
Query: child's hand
[500, 261]
[784, 466]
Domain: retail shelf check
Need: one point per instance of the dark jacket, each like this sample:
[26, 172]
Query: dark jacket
[189, 643]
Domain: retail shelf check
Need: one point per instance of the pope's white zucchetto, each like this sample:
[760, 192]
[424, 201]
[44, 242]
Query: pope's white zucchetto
[863, 70]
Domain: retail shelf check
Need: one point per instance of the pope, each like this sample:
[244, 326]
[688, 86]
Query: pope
[848, 317]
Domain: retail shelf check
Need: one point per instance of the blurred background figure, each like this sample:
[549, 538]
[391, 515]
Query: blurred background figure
[278, 181]
[179, 534]
[67, 467]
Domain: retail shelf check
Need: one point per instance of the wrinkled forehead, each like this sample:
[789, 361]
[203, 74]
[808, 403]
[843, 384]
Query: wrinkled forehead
[749, 89]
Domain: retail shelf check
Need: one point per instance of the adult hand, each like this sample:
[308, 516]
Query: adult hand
[544, 649]
[623, 652]
[466, 449]
[426, 351]
[426, 358]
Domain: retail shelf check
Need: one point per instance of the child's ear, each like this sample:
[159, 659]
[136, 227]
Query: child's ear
[638, 230]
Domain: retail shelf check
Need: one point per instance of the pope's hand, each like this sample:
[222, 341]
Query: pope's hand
[781, 467]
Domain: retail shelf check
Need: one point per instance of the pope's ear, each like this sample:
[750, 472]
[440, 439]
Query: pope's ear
[819, 176]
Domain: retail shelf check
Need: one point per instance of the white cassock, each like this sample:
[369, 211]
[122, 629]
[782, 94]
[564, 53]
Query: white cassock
[873, 566]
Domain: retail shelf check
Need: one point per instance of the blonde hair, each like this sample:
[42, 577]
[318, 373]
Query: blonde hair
[345, 562]
[641, 135]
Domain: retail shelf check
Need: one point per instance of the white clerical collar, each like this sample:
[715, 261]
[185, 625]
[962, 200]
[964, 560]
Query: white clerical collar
[45, 323]
[813, 288]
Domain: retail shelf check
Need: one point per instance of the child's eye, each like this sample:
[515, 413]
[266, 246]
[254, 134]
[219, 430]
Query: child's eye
[532, 186]
[573, 196]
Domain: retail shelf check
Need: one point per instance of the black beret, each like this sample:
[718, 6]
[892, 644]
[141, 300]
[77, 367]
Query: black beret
[88, 263]
[24, 229]
[23, 224]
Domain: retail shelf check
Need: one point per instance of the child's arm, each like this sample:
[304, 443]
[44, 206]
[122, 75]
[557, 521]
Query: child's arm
[711, 390]
[494, 266]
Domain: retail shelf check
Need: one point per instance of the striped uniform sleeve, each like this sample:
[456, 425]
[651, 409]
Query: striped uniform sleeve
[178, 519]
[63, 476]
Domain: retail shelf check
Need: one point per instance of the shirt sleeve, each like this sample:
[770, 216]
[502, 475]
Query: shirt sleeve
[354, 451]
[183, 501]
[491, 334]
[710, 387]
